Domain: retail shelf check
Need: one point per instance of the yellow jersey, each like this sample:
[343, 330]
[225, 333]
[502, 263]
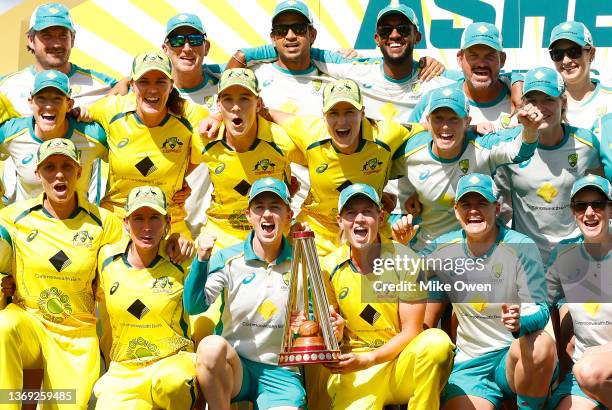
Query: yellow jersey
[55, 261]
[141, 309]
[139, 155]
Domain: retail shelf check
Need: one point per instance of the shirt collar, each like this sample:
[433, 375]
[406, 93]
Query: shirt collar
[82, 205]
[250, 255]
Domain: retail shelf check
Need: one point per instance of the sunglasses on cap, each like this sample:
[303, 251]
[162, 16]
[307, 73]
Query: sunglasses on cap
[193, 39]
[574, 52]
[281, 30]
[385, 31]
[581, 206]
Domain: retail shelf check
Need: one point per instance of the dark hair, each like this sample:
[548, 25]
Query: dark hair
[176, 103]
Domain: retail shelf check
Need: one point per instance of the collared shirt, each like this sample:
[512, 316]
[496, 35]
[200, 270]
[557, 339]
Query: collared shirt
[55, 260]
[254, 297]
[232, 173]
[540, 187]
[585, 284]
[366, 301]
[19, 141]
[87, 86]
[139, 155]
[514, 271]
[331, 171]
[604, 142]
[584, 114]
[141, 309]
[435, 179]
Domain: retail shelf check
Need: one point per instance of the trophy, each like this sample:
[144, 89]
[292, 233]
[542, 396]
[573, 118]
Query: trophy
[315, 341]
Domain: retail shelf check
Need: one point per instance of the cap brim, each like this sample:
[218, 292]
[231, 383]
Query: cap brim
[42, 26]
[581, 43]
[330, 104]
[139, 74]
[593, 186]
[491, 44]
[485, 194]
[199, 29]
[292, 10]
[239, 85]
[358, 193]
[553, 92]
[459, 111]
[44, 157]
[156, 208]
[395, 11]
[263, 190]
[39, 89]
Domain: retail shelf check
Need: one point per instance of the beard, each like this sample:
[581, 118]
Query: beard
[397, 60]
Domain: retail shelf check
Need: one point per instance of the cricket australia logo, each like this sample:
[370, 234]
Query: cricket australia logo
[172, 145]
[464, 165]
[371, 166]
[162, 285]
[572, 159]
[82, 238]
[265, 166]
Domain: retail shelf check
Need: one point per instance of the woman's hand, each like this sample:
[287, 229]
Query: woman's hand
[350, 362]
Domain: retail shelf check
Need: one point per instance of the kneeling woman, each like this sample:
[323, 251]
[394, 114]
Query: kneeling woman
[140, 295]
[391, 359]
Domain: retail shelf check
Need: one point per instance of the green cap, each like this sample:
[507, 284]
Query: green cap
[243, 77]
[294, 6]
[593, 181]
[150, 61]
[51, 78]
[184, 20]
[146, 196]
[572, 31]
[481, 33]
[544, 79]
[270, 185]
[50, 15]
[342, 91]
[450, 97]
[57, 146]
[358, 189]
[480, 183]
[395, 7]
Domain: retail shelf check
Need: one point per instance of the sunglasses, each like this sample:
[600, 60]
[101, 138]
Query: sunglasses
[281, 30]
[574, 52]
[581, 206]
[193, 39]
[385, 31]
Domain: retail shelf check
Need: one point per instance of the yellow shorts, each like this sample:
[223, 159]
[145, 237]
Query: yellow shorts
[417, 375]
[169, 383]
[69, 362]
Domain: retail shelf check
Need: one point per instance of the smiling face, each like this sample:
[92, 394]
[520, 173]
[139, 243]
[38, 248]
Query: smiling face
[239, 107]
[270, 217]
[396, 47]
[147, 227]
[59, 175]
[359, 221]
[152, 91]
[481, 65]
[52, 46]
[574, 70]
[49, 107]
[344, 126]
[593, 220]
[476, 215]
[293, 48]
[551, 107]
[186, 58]
[448, 132]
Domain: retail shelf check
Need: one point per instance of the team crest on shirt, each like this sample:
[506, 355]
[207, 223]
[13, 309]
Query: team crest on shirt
[316, 84]
[209, 101]
[415, 89]
[286, 278]
[464, 165]
[497, 271]
[54, 305]
[162, 285]
[371, 166]
[572, 159]
[82, 238]
[264, 166]
[172, 145]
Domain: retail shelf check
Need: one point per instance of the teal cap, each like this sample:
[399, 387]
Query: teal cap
[51, 78]
[270, 185]
[593, 181]
[450, 97]
[573, 31]
[544, 79]
[292, 5]
[50, 15]
[358, 189]
[184, 20]
[481, 33]
[395, 7]
[480, 183]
